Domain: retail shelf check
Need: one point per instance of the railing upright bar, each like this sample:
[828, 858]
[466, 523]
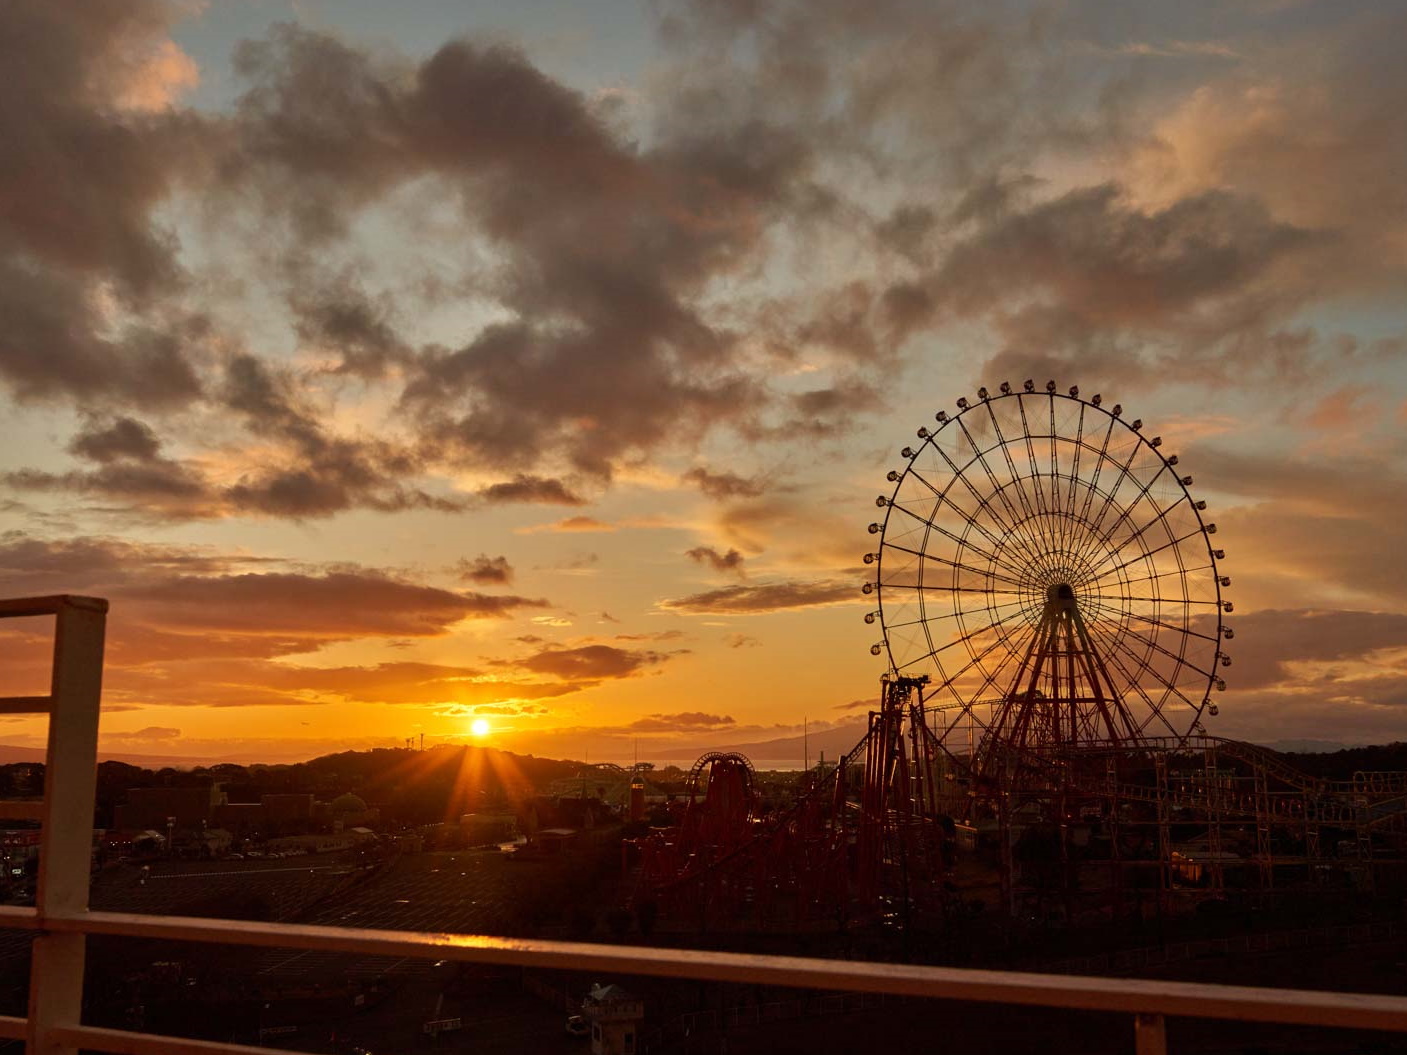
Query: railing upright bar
[1150, 1034]
[65, 848]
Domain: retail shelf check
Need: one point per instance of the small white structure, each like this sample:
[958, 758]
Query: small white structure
[615, 1017]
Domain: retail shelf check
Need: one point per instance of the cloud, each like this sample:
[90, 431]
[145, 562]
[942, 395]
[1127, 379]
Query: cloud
[339, 318]
[766, 597]
[1271, 645]
[337, 604]
[604, 355]
[485, 570]
[1243, 129]
[732, 561]
[590, 662]
[122, 438]
[1090, 265]
[151, 732]
[309, 472]
[195, 626]
[721, 485]
[855, 705]
[531, 489]
[571, 525]
[656, 635]
[685, 721]
[81, 181]
[741, 641]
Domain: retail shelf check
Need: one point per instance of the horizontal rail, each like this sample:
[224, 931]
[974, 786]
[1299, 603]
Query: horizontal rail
[1131, 996]
[18, 917]
[12, 1028]
[125, 1042]
[19, 607]
[26, 704]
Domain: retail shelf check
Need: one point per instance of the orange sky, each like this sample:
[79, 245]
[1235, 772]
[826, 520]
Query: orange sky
[386, 372]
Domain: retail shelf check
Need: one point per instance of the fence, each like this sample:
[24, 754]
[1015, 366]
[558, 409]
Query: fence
[62, 920]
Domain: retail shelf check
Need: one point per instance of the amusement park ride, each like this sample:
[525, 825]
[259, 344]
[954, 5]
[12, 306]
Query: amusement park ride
[1052, 611]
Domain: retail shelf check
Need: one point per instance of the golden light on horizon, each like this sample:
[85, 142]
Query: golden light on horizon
[479, 727]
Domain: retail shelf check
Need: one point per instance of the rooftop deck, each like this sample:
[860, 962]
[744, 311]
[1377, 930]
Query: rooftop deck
[62, 919]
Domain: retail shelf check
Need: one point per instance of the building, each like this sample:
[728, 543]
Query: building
[287, 813]
[615, 1017]
[156, 808]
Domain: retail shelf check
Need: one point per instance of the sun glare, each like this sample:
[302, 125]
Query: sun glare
[479, 727]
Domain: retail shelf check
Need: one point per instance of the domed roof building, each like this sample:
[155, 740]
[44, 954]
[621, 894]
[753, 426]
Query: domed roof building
[347, 803]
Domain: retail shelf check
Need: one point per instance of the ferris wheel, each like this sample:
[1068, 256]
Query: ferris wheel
[1043, 564]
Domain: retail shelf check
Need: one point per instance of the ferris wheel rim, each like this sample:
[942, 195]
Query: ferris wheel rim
[1018, 539]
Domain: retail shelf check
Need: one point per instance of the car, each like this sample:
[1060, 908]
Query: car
[577, 1027]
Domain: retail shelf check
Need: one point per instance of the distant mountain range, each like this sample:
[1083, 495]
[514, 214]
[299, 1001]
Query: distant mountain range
[10, 755]
[834, 742]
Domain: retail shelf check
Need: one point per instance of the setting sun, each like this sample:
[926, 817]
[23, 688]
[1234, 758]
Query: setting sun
[479, 727]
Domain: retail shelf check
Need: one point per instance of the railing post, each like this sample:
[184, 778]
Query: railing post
[1150, 1035]
[65, 848]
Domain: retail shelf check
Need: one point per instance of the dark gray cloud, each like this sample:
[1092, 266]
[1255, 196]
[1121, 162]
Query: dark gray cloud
[590, 662]
[766, 597]
[323, 473]
[722, 485]
[341, 319]
[1267, 642]
[194, 626]
[122, 438]
[684, 721]
[1076, 276]
[80, 179]
[524, 488]
[606, 355]
[485, 570]
[732, 561]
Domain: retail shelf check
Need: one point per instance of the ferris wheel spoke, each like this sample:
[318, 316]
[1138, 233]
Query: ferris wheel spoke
[1137, 685]
[1011, 527]
[943, 498]
[962, 544]
[1132, 504]
[1119, 478]
[1151, 600]
[1181, 572]
[1141, 555]
[1031, 457]
[1100, 460]
[930, 588]
[1137, 536]
[983, 573]
[1173, 627]
[1029, 512]
[1178, 658]
[988, 680]
[964, 639]
[960, 474]
[1073, 493]
[1155, 709]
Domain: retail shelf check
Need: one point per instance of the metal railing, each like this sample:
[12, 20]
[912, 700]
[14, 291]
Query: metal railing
[62, 921]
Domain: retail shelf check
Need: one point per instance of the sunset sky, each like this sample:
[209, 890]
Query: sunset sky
[392, 365]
